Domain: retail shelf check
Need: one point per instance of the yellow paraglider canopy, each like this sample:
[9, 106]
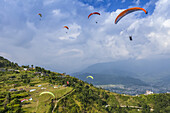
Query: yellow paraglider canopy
[90, 77]
[47, 92]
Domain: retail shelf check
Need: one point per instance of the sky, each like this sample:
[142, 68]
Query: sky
[27, 38]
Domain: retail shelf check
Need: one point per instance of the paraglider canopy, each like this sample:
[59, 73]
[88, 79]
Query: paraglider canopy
[90, 77]
[66, 27]
[24, 100]
[47, 92]
[40, 14]
[68, 82]
[93, 14]
[127, 11]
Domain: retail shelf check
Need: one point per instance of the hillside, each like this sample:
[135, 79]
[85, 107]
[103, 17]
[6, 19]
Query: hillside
[39, 90]
[6, 63]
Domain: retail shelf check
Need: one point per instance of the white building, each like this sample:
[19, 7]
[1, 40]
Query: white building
[32, 90]
[25, 69]
[39, 85]
[148, 92]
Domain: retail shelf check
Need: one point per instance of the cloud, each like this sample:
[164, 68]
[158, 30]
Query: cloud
[45, 42]
[100, 0]
[137, 2]
[123, 1]
[167, 23]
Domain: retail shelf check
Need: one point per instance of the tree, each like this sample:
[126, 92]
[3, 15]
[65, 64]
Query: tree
[145, 108]
[7, 100]
[32, 66]
[51, 106]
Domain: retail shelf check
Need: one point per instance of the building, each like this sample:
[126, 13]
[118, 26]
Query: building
[39, 85]
[32, 90]
[13, 90]
[25, 69]
[21, 89]
[10, 69]
[43, 88]
[148, 92]
[17, 70]
[2, 69]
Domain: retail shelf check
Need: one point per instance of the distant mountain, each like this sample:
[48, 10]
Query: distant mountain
[147, 70]
[129, 72]
[165, 82]
[104, 79]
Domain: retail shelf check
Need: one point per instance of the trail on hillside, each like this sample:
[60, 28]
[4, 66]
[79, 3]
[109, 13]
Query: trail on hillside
[37, 106]
[62, 98]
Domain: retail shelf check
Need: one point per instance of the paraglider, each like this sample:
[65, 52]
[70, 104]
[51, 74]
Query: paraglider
[93, 14]
[40, 15]
[90, 77]
[127, 11]
[47, 92]
[130, 37]
[67, 82]
[24, 100]
[66, 28]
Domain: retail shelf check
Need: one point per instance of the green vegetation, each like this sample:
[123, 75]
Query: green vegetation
[20, 91]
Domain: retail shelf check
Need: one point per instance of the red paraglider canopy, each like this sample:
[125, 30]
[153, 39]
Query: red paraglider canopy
[93, 13]
[68, 82]
[127, 11]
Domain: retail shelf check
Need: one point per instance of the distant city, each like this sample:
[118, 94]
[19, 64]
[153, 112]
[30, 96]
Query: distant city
[133, 90]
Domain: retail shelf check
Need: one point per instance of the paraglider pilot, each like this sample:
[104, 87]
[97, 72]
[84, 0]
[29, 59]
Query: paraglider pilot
[130, 37]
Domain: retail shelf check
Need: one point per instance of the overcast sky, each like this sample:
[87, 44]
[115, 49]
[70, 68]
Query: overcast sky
[27, 38]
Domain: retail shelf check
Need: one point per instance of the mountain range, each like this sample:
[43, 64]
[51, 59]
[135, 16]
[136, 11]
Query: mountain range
[129, 72]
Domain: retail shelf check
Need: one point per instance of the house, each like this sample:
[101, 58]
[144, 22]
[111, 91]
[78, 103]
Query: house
[2, 69]
[25, 69]
[32, 90]
[10, 69]
[107, 106]
[64, 85]
[17, 70]
[44, 74]
[21, 89]
[148, 92]
[39, 85]
[37, 73]
[13, 90]
[55, 86]
[30, 99]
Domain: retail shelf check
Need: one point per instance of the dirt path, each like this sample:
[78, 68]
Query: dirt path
[37, 105]
[136, 107]
[62, 98]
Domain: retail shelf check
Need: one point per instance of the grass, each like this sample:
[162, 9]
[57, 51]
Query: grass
[41, 103]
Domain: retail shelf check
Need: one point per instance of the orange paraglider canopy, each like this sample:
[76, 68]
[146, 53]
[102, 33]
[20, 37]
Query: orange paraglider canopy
[66, 27]
[127, 11]
[93, 13]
